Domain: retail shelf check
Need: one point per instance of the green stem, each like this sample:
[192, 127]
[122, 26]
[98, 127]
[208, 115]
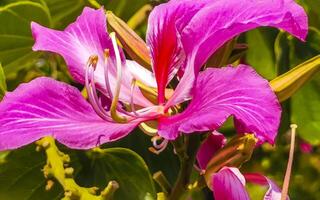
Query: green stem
[94, 3]
[57, 168]
[186, 151]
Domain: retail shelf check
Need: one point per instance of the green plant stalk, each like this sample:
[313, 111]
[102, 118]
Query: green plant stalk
[94, 3]
[162, 182]
[56, 168]
[186, 152]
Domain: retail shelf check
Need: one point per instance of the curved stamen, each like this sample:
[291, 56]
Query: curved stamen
[133, 109]
[90, 87]
[114, 114]
[95, 95]
[155, 140]
[106, 72]
[158, 148]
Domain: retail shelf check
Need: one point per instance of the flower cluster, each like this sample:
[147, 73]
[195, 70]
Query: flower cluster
[181, 94]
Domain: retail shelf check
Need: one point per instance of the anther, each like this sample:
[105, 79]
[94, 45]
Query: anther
[49, 185]
[93, 61]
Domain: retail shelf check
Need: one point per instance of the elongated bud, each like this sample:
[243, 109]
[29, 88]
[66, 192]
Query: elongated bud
[233, 154]
[287, 84]
[132, 43]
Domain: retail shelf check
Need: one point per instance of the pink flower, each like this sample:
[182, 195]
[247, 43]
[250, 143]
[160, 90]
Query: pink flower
[229, 183]
[181, 35]
[305, 147]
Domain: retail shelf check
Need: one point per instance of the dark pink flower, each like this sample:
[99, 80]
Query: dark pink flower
[181, 35]
[305, 146]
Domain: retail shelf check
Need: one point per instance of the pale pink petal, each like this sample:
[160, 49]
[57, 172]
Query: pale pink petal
[229, 184]
[142, 74]
[46, 107]
[273, 193]
[209, 147]
[223, 92]
[85, 37]
[222, 20]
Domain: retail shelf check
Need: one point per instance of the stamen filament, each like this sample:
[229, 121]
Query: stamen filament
[148, 130]
[133, 109]
[106, 72]
[286, 181]
[91, 90]
[114, 114]
[158, 148]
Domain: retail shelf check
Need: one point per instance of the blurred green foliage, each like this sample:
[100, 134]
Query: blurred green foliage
[270, 51]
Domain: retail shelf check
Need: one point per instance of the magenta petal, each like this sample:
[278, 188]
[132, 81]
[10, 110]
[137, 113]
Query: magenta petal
[273, 193]
[165, 24]
[222, 92]
[209, 147]
[81, 39]
[222, 20]
[47, 107]
[85, 37]
[229, 184]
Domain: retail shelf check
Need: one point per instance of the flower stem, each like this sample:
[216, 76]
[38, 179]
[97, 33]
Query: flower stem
[94, 3]
[57, 168]
[186, 151]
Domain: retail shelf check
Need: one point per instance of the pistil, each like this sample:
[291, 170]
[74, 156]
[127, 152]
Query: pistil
[114, 114]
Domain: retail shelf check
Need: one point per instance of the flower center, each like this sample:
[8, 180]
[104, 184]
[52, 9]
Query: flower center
[115, 111]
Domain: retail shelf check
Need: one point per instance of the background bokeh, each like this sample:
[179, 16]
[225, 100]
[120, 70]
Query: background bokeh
[270, 52]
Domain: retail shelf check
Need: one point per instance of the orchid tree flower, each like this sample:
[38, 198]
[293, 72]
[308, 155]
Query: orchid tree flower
[229, 183]
[181, 36]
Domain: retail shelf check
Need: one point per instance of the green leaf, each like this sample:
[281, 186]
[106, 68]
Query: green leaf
[21, 177]
[260, 52]
[124, 166]
[306, 111]
[64, 12]
[3, 84]
[123, 8]
[15, 33]
[305, 104]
